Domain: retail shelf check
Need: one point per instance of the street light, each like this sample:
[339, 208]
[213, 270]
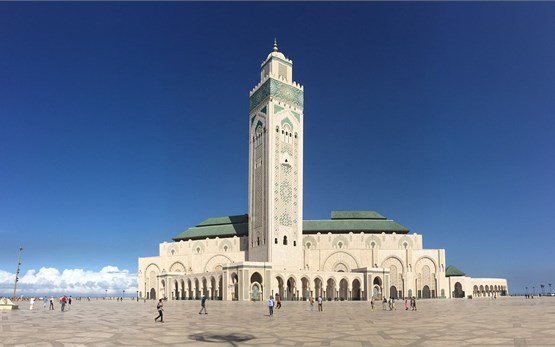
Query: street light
[106, 294]
[550, 288]
[533, 290]
[123, 295]
[17, 272]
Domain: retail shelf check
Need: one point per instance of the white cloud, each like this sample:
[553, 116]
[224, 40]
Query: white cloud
[76, 282]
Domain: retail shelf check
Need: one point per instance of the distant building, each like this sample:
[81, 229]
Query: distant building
[353, 256]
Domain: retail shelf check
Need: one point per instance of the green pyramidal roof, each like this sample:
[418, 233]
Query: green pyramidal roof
[217, 227]
[356, 215]
[341, 222]
[453, 271]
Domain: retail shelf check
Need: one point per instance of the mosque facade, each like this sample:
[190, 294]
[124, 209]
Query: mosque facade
[355, 255]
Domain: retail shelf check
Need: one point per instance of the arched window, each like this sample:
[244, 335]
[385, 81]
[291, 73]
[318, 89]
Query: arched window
[308, 244]
[294, 243]
[285, 240]
[275, 241]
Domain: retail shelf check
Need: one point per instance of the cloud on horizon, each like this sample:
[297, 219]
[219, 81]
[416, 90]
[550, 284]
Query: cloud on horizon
[76, 282]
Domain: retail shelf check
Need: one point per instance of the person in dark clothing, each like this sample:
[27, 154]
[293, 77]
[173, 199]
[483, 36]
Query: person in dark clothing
[203, 305]
[160, 309]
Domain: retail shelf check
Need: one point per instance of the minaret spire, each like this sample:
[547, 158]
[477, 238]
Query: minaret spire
[275, 45]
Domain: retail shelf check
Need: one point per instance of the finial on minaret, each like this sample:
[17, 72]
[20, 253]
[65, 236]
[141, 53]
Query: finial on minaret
[275, 45]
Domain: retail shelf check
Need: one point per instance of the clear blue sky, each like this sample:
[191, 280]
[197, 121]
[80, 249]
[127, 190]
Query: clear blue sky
[122, 124]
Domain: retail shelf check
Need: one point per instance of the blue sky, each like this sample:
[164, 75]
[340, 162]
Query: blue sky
[122, 124]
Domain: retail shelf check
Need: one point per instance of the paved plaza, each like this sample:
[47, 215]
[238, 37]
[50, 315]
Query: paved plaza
[456, 322]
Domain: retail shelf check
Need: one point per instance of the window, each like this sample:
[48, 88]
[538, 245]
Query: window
[308, 244]
[276, 241]
[285, 240]
[294, 243]
[258, 241]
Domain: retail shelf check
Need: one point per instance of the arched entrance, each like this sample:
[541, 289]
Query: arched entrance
[356, 294]
[256, 292]
[291, 288]
[426, 294]
[393, 292]
[256, 286]
[280, 286]
[458, 292]
[234, 286]
[343, 290]
[330, 289]
[152, 293]
[317, 287]
[306, 288]
[376, 288]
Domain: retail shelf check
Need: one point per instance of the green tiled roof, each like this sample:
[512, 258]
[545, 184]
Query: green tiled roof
[356, 215]
[453, 271]
[225, 220]
[358, 225]
[341, 222]
[217, 227]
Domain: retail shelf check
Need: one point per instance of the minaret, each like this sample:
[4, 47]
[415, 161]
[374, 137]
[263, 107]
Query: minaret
[276, 165]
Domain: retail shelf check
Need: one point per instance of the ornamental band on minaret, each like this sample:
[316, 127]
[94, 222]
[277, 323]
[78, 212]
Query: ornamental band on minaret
[276, 165]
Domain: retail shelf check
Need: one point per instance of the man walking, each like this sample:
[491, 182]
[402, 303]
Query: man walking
[203, 305]
[271, 306]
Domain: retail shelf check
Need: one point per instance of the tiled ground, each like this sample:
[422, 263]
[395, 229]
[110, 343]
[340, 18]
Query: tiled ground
[478, 322]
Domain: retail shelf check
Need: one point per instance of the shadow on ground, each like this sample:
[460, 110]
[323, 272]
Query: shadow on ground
[230, 338]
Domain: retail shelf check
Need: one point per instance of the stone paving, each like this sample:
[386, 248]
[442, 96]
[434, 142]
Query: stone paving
[462, 322]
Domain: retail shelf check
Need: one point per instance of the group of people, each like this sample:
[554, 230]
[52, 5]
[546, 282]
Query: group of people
[410, 304]
[63, 300]
[275, 302]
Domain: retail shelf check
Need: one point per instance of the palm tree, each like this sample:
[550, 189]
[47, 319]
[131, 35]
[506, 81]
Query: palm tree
[543, 292]
[550, 288]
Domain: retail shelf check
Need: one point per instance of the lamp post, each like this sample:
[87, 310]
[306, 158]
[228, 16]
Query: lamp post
[106, 298]
[137, 296]
[17, 272]
[543, 290]
[533, 290]
[526, 291]
[123, 295]
[550, 288]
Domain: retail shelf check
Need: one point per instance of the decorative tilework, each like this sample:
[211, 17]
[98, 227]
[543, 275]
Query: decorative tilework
[278, 90]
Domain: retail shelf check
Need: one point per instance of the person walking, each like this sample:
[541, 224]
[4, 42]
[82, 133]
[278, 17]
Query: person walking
[31, 303]
[384, 304]
[203, 305]
[372, 302]
[320, 308]
[311, 303]
[51, 304]
[63, 301]
[45, 301]
[271, 306]
[278, 301]
[160, 308]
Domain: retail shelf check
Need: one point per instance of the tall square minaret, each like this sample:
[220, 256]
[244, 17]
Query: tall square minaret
[276, 165]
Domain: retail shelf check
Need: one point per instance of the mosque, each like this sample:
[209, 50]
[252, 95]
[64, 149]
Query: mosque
[355, 255]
